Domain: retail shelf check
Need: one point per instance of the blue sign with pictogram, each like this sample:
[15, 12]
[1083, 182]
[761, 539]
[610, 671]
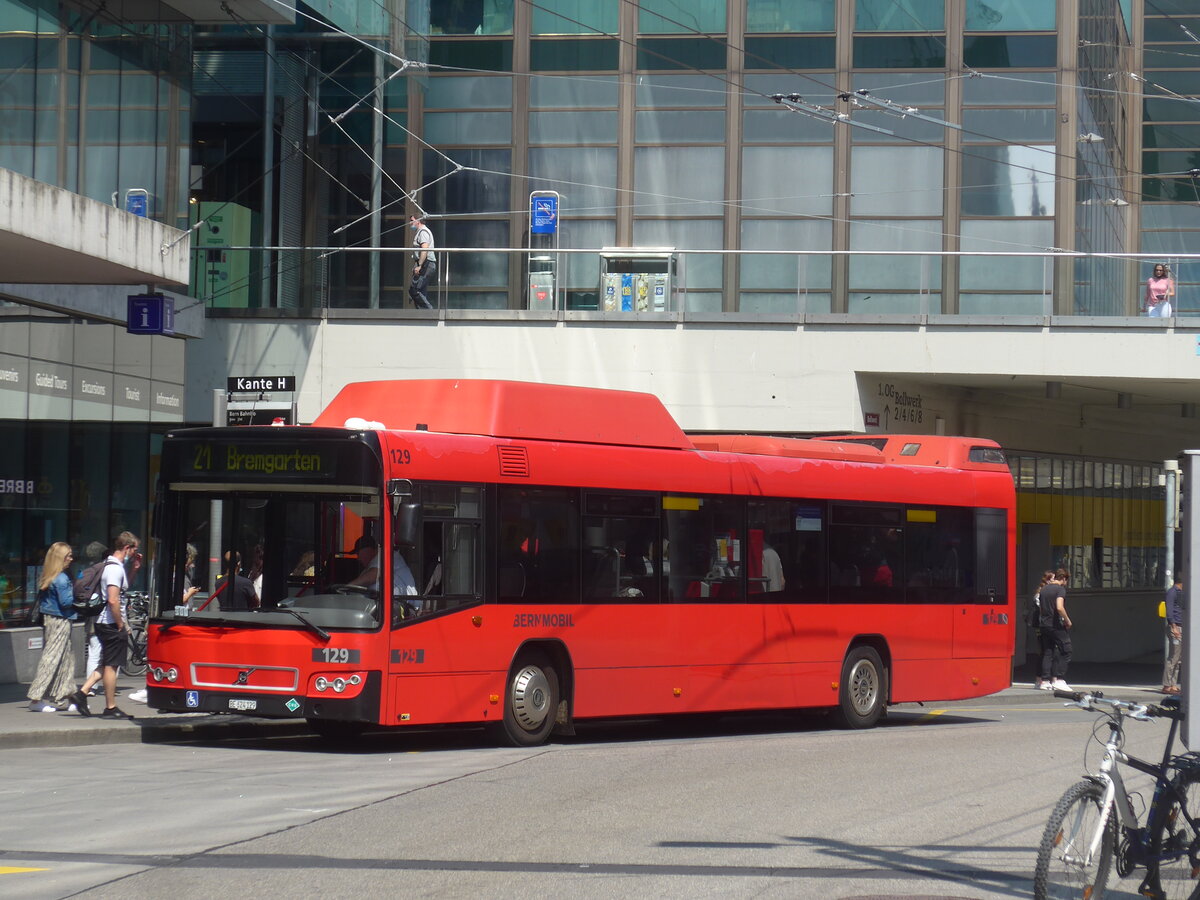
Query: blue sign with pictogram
[150, 314]
[543, 213]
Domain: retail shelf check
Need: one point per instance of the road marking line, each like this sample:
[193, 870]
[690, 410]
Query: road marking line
[930, 716]
[14, 870]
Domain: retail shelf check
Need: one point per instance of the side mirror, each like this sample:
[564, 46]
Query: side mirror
[407, 524]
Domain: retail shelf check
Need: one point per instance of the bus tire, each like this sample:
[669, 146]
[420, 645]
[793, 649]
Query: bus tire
[863, 692]
[530, 701]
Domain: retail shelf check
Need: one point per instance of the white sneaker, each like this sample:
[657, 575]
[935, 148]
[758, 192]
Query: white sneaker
[1045, 686]
[138, 696]
[1059, 685]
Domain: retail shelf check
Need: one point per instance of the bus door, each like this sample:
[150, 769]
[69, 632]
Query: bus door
[983, 626]
[435, 657]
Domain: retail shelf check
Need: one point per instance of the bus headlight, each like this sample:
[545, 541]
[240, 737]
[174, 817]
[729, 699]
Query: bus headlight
[172, 675]
[339, 685]
[321, 683]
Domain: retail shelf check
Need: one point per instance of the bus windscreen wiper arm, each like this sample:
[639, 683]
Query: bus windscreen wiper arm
[308, 623]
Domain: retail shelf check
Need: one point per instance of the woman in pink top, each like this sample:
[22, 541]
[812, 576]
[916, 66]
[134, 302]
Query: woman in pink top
[1160, 288]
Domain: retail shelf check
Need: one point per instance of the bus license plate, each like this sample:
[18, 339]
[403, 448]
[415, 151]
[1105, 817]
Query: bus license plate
[243, 705]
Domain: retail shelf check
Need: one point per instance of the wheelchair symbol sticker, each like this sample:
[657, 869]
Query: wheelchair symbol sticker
[192, 699]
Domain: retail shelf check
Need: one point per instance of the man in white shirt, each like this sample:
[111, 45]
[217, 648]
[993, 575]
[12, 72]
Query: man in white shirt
[111, 627]
[424, 270]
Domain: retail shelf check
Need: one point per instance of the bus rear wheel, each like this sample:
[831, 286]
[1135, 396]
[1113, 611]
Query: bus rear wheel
[530, 701]
[862, 695]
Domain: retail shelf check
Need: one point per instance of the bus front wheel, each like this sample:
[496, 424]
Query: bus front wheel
[862, 695]
[530, 701]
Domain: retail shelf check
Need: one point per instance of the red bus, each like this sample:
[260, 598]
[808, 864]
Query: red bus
[559, 554]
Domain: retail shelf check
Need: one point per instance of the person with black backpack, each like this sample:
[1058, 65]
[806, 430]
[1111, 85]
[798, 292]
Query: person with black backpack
[111, 627]
[1054, 632]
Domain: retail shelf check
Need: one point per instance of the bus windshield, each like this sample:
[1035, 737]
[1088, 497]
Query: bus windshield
[248, 554]
[257, 528]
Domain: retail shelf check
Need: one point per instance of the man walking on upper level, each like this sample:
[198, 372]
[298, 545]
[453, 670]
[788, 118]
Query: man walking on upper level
[424, 271]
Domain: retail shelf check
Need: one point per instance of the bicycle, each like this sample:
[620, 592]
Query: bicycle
[1095, 823]
[137, 614]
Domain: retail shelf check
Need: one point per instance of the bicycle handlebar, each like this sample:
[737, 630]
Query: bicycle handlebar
[1089, 701]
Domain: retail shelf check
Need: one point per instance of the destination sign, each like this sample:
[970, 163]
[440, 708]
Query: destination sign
[291, 458]
[256, 384]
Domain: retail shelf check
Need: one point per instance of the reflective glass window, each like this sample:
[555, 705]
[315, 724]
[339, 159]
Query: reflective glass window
[469, 92]
[679, 181]
[468, 128]
[1170, 136]
[789, 53]
[680, 53]
[578, 93]
[899, 15]
[579, 272]
[904, 129]
[758, 89]
[1023, 89]
[701, 270]
[472, 53]
[1020, 273]
[584, 55]
[672, 17]
[1160, 30]
[922, 273]
[471, 17]
[1008, 181]
[1011, 15]
[997, 51]
[669, 126]
[910, 88]
[1026, 125]
[570, 127]
[679, 90]
[797, 272]
[780, 125]
[765, 192]
[899, 52]
[773, 16]
[583, 176]
[575, 17]
[467, 192]
[879, 190]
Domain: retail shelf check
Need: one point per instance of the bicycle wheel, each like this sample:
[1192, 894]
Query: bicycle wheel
[135, 656]
[1065, 866]
[1174, 845]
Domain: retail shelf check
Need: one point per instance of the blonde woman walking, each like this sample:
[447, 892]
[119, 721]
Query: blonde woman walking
[55, 679]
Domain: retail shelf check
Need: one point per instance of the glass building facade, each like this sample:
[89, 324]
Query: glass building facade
[100, 107]
[658, 125]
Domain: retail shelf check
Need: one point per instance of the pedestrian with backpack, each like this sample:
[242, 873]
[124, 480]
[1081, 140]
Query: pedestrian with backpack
[54, 680]
[1055, 632]
[1034, 621]
[111, 627]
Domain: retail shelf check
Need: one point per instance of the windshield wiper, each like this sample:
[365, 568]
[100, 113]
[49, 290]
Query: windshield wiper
[308, 623]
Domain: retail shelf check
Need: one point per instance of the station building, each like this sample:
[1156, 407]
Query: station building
[788, 218]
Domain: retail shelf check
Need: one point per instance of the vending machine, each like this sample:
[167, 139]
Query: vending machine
[637, 279]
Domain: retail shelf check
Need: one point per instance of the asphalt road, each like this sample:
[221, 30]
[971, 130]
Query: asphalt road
[944, 802]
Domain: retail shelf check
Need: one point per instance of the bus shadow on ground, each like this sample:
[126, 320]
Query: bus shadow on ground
[691, 726]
